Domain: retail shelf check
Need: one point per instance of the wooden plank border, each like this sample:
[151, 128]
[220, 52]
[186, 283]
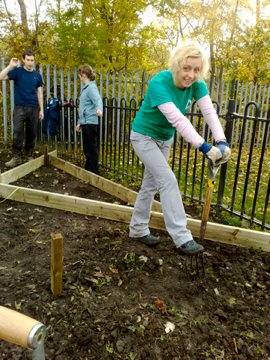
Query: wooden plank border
[214, 232]
[108, 186]
[22, 170]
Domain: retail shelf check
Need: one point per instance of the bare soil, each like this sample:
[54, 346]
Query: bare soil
[120, 298]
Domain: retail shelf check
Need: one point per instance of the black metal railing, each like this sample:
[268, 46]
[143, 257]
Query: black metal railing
[243, 184]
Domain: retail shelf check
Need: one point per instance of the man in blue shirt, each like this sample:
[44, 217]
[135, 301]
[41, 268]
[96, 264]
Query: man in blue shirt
[28, 107]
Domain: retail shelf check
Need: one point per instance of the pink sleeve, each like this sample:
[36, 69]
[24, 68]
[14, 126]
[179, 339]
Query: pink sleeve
[181, 123]
[211, 118]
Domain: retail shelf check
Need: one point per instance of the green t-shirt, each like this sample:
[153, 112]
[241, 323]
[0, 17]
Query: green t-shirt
[161, 89]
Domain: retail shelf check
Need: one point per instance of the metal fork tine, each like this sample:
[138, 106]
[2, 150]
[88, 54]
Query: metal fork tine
[185, 265]
[202, 263]
[197, 269]
[197, 264]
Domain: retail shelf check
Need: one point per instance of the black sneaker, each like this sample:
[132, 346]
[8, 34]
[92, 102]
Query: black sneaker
[191, 248]
[149, 240]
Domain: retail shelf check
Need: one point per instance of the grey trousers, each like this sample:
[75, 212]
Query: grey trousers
[158, 176]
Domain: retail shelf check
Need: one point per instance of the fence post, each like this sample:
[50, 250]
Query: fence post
[228, 134]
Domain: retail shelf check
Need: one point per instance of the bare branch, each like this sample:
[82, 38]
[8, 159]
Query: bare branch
[8, 14]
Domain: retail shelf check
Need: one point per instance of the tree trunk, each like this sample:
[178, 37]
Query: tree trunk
[23, 16]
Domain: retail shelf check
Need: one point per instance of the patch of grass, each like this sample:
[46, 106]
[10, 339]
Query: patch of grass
[132, 261]
[229, 219]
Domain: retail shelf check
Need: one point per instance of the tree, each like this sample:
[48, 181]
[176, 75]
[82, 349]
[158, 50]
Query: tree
[252, 55]
[219, 25]
[23, 34]
[109, 34]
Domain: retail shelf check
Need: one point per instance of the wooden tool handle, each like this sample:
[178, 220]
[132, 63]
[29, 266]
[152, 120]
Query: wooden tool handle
[206, 208]
[15, 327]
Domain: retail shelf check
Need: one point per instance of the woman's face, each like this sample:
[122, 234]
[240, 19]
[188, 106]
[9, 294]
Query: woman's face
[188, 73]
[84, 79]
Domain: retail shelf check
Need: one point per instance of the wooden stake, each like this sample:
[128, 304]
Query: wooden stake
[56, 263]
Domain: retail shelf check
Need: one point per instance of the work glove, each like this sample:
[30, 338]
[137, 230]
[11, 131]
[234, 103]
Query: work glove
[224, 147]
[212, 153]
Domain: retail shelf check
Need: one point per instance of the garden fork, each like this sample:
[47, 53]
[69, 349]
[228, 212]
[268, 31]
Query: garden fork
[199, 258]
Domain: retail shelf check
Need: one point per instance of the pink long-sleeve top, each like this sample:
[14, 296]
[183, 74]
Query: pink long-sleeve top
[184, 126]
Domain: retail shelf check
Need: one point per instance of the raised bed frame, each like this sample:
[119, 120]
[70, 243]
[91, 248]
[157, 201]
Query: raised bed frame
[214, 232]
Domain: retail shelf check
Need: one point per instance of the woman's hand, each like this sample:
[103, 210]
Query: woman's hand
[218, 154]
[78, 128]
[211, 152]
[225, 150]
[99, 113]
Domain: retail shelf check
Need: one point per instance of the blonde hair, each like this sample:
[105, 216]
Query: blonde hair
[181, 54]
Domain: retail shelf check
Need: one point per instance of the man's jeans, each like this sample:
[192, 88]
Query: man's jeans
[24, 117]
[158, 176]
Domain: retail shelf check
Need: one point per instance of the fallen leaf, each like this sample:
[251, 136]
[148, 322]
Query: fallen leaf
[18, 306]
[169, 327]
[159, 304]
[232, 301]
[216, 291]
[93, 280]
[113, 270]
[143, 258]
[33, 231]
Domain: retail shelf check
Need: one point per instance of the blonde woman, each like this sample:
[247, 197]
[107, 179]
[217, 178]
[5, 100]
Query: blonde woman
[168, 96]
